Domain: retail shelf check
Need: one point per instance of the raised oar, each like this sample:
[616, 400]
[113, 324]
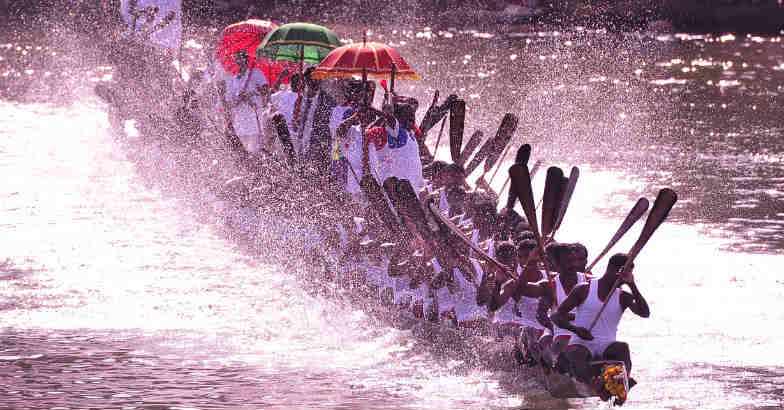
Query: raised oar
[456, 128]
[282, 129]
[455, 231]
[661, 208]
[551, 200]
[438, 140]
[521, 158]
[634, 215]
[487, 147]
[534, 170]
[521, 182]
[492, 149]
[566, 197]
[468, 150]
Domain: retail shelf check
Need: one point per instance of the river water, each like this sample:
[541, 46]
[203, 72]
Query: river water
[119, 290]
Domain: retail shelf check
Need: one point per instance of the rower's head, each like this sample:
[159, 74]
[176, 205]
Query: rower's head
[352, 91]
[485, 216]
[405, 114]
[581, 255]
[526, 252]
[452, 176]
[558, 255]
[524, 234]
[242, 60]
[313, 85]
[616, 263]
[432, 170]
[457, 200]
[506, 253]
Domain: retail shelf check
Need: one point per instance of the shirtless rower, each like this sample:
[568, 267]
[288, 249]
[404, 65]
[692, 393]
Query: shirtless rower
[587, 299]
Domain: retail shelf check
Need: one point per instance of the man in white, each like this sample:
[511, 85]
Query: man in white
[588, 300]
[247, 94]
[395, 152]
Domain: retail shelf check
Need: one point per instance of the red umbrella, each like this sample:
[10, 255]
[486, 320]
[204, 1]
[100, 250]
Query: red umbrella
[247, 35]
[375, 59]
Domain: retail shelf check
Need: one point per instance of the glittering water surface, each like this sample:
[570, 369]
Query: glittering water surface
[118, 289]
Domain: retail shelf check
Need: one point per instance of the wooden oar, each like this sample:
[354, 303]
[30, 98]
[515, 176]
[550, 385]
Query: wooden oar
[455, 231]
[484, 150]
[282, 129]
[456, 128]
[551, 200]
[521, 158]
[534, 170]
[661, 208]
[566, 197]
[521, 181]
[438, 140]
[470, 147]
[492, 149]
[634, 215]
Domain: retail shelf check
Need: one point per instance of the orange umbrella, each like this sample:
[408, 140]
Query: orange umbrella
[376, 60]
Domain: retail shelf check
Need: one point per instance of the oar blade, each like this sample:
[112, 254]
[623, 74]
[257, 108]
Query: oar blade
[521, 183]
[664, 202]
[521, 158]
[523, 154]
[471, 145]
[502, 138]
[634, 215]
[552, 195]
[456, 128]
[282, 129]
[566, 197]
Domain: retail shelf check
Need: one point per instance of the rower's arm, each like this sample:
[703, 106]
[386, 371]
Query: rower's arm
[635, 301]
[541, 312]
[561, 317]
[502, 296]
[530, 289]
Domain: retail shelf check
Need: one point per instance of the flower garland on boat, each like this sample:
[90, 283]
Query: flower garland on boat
[613, 376]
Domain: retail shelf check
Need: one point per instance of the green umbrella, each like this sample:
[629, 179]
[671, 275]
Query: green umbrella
[302, 43]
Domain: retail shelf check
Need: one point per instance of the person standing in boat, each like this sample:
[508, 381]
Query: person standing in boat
[586, 299]
[248, 93]
[307, 110]
[394, 152]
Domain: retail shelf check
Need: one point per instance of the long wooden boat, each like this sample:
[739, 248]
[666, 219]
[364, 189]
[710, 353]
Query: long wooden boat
[231, 209]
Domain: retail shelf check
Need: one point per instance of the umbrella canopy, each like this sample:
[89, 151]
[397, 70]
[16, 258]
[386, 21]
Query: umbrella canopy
[376, 59]
[245, 35]
[302, 43]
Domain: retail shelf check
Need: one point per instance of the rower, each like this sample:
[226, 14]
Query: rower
[566, 263]
[586, 299]
[502, 303]
[248, 93]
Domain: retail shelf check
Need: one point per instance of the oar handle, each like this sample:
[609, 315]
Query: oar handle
[438, 140]
[634, 215]
[604, 305]
[500, 162]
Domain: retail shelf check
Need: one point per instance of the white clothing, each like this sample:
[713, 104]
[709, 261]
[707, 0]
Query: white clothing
[466, 307]
[606, 329]
[246, 117]
[169, 36]
[285, 102]
[402, 162]
[351, 149]
[560, 295]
